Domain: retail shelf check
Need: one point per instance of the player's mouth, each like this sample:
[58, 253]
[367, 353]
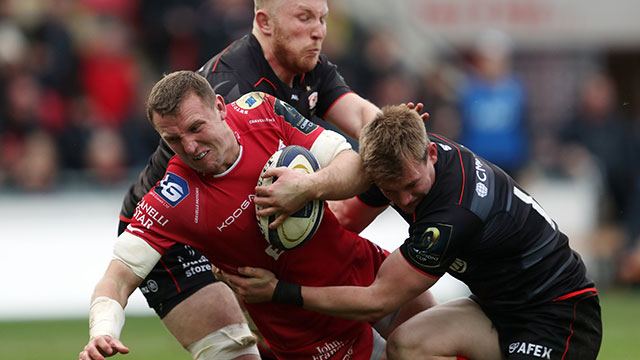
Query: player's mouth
[201, 155]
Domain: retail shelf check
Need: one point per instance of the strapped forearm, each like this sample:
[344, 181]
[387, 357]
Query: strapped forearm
[106, 317]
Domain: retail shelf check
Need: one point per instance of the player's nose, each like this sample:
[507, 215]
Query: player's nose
[189, 145]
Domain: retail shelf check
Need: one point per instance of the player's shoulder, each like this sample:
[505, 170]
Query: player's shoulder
[176, 185]
[251, 102]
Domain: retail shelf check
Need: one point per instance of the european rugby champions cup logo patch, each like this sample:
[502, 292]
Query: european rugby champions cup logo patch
[427, 247]
[172, 189]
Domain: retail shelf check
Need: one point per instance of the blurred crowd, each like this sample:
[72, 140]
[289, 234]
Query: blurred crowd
[74, 75]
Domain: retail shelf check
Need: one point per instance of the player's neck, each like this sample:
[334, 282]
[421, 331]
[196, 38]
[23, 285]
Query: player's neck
[285, 76]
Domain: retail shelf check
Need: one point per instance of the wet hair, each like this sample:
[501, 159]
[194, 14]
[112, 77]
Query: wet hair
[396, 135]
[168, 93]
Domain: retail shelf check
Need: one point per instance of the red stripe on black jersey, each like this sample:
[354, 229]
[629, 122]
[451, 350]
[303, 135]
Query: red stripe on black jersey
[576, 293]
[219, 56]
[461, 164]
[267, 80]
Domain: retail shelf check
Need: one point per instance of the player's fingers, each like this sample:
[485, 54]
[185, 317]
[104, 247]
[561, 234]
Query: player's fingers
[262, 191]
[279, 220]
[118, 346]
[94, 353]
[84, 355]
[266, 211]
[273, 172]
[248, 271]
[425, 116]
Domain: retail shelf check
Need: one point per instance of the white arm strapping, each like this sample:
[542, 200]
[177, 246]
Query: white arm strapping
[136, 253]
[327, 146]
[106, 317]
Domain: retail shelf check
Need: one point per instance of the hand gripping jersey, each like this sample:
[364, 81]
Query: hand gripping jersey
[216, 215]
[239, 69]
[478, 225]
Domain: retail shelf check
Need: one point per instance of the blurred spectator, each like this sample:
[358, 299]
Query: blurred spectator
[492, 103]
[109, 73]
[105, 157]
[438, 87]
[73, 140]
[602, 130]
[37, 167]
[380, 58]
[219, 23]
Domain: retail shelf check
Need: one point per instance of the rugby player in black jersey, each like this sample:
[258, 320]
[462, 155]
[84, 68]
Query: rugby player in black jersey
[281, 57]
[530, 298]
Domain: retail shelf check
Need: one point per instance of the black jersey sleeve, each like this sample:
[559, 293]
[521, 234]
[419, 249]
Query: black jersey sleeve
[373, 197]
[332, 86]
[147, 178]
[436, 240]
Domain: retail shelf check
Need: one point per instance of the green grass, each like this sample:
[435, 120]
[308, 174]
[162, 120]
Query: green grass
[621, 325]
[146, 337]
[149, 340]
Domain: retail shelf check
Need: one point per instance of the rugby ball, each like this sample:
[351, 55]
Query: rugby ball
[302, 225]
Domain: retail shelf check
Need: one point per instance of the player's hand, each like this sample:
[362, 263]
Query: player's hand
[253, 284]
[102, 346]
[418, 107]
[220, 275]
[288, 194]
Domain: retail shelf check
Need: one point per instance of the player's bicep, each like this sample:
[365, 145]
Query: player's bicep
[136, 254]
[327, 146]
[353, 214]
[350, 113]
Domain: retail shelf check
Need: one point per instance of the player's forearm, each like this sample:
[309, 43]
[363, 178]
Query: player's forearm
[343, 178]
[348, 302]
[106, 313]
[117, 283]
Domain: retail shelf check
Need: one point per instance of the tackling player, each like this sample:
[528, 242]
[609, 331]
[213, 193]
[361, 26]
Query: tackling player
[530, 296]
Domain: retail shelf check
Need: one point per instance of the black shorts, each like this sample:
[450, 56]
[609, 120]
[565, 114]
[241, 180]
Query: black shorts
[569, 327]
[180, 272]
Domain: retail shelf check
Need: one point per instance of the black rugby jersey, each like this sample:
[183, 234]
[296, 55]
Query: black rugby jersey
[478, 225]
[239, 69]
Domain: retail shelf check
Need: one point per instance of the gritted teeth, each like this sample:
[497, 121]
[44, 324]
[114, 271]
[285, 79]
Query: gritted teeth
[201, 155]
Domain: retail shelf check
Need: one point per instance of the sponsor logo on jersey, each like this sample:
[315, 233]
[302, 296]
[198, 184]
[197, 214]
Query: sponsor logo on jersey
[328, 349]
[249, 101]
[172, 189]
[259, 121]
[481, 175]
[313, 100]
[147, 215]
[151, 286]
[426, 248]
[539, 351]
[236, 213]
[293, 117]
[459, 266]
[445, 147]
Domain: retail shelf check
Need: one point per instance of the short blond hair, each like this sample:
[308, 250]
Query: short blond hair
[167, 94]
[397, 134]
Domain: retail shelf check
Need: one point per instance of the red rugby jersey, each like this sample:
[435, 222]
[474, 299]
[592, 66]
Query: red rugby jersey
[216, 215]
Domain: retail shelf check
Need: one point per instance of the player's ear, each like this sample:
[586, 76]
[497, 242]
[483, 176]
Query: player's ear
[264, 22]
[220, 106]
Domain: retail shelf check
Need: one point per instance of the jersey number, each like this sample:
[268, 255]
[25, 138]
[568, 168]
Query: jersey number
[534, 204]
